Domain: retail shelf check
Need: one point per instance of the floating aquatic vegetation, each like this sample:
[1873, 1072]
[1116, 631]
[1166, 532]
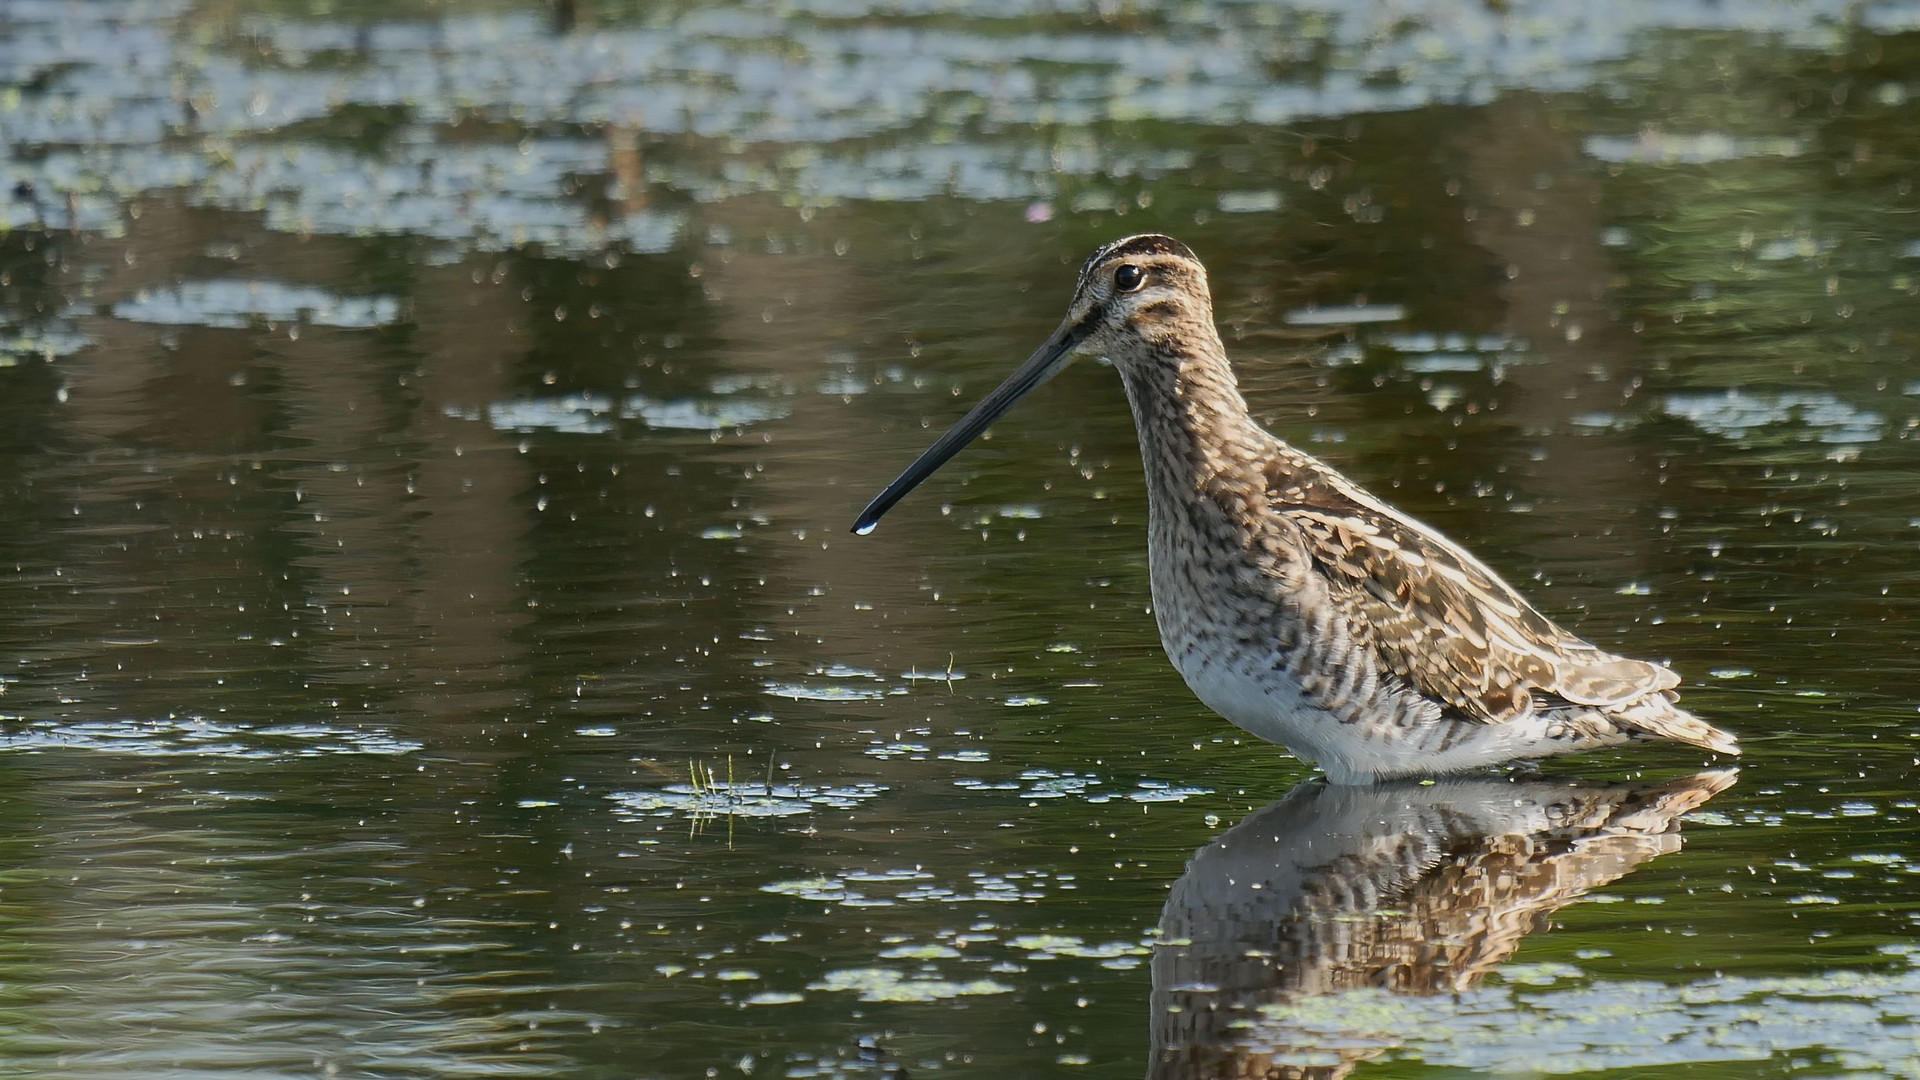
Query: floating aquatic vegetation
[823, 889]
[1119, 955]
[1042, 784]
[489, 197]
[885, 984]
[235, 304]
[1781, 249]
[1157, 791]
[844, 671]
[1691, 149]
[1248, 202]
[1345, 314]
[840, 889]
[917, 886]
[699, 414]
[588, 414]
[920, 952]
[1602, 421]
[807, 692]
[576, 415]
[729, 74]
[946, 676]
[1421, 341]
[201, 737]
[1735, 414]
[48, 342]
[1427, 353]
[740, 799]
[1863, 1018]
[912, 751]
[1444, 363]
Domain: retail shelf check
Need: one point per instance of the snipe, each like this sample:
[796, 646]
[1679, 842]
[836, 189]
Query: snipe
[1297, 605]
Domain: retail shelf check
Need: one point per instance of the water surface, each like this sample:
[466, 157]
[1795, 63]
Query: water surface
[431, 644]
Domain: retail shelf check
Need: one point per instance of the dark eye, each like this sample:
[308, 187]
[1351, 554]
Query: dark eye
[1128, 278]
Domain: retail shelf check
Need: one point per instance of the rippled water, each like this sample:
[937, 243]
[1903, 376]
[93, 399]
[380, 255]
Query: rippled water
[430, 644]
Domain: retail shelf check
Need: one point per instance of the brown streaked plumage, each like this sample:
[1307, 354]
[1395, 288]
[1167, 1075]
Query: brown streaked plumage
[1297, 605]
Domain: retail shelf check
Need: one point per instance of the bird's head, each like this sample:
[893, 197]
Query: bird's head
[1133, 297]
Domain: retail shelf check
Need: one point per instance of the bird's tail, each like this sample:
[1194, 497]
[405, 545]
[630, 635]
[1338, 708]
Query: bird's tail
[1658, 716]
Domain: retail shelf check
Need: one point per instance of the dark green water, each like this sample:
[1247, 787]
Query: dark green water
[431, 645]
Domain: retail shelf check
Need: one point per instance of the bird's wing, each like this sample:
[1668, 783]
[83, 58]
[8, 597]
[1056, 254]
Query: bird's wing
[1438, 617]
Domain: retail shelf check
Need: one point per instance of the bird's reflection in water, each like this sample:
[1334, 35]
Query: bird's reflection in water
[1406, 888]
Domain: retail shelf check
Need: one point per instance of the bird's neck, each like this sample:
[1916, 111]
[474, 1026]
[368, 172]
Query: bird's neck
[1195, 431]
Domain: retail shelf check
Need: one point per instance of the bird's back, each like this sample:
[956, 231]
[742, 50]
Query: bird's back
[1435, 615]
[1310, 612]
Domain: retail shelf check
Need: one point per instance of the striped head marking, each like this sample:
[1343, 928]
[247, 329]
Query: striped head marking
[1148, 288]
[1134, 296]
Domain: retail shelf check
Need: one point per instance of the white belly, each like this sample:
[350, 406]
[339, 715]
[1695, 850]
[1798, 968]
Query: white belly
[1275, 708]
[1401, 736]
[1326, 702]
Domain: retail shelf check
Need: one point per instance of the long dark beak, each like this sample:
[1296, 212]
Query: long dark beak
[1046, 362]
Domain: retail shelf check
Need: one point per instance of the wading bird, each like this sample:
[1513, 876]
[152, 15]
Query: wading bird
[1296, 604]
